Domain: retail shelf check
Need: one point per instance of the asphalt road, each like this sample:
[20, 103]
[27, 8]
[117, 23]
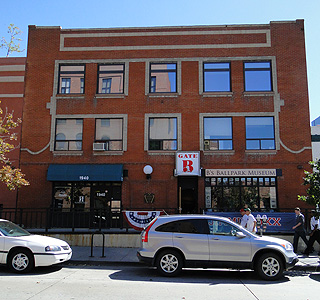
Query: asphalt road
[139, 282]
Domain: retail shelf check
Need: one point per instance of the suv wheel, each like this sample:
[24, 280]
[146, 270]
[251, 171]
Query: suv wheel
[269, 266]
[169, 263]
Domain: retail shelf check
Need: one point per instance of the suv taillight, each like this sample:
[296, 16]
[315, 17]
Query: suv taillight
[145, 233]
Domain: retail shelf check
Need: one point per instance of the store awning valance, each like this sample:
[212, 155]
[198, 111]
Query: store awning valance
[85, 172]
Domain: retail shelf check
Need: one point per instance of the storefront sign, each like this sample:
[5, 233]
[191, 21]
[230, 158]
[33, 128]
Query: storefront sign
[241, 172]
[188, 163]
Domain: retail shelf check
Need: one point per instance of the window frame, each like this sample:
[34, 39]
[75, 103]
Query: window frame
[81, 86]
[261, 139]
[204, 71]
[151, 77]
[123, 72]
[247, 69]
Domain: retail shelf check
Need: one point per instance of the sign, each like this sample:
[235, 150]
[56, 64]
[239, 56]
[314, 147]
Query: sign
[140, 219]
[280, 222]
[241, 172]
[188, 163]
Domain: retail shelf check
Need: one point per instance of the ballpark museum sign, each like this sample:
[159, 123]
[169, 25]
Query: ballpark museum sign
[241, 172]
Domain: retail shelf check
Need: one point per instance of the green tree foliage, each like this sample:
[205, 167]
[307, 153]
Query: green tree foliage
[10, 176]
[13, 44]
[312, 179]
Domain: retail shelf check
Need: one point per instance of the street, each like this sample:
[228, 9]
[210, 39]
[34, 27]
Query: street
[139, 282]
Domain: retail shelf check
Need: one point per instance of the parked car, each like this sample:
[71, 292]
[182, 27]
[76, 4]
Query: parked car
[22, 251]
[171, 243]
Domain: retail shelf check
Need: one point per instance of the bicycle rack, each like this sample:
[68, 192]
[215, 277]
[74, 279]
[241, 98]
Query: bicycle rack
[97, 232]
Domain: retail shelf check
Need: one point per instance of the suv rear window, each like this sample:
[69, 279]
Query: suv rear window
[197, 226]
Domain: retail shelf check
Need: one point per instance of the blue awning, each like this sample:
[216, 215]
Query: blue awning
[85, 172]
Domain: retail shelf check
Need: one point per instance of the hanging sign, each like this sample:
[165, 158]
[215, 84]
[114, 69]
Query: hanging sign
[188, 163]
[140, 219]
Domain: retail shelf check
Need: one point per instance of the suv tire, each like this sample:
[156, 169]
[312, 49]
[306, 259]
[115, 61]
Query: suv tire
[269, 266]
[169, 263]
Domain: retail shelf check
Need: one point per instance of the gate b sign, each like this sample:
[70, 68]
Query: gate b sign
[188, 163]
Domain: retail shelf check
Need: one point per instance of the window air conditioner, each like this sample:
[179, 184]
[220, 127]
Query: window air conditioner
[206, 145]
[99, 147]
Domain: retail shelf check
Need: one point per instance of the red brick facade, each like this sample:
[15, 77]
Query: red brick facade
[280, 43]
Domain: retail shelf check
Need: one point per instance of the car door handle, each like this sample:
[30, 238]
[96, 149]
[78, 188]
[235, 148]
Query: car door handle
[179, 237]
[215, 239]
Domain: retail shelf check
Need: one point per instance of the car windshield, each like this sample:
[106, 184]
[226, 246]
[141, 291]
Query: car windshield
[10, 229]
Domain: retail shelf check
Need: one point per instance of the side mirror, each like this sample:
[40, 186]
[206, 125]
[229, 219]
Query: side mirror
[240, 234]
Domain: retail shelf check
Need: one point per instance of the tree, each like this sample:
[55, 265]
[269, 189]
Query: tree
[313, 180]
[13, 45]
[12, 177]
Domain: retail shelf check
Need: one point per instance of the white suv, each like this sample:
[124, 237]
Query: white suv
[171, 243]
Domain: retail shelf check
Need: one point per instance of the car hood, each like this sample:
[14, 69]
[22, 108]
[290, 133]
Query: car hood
[272, 240]
[41, 239]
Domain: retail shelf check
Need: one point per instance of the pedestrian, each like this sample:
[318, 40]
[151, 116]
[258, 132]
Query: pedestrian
[315, 233]
[244, 218]
[299, 230]
[251, 221]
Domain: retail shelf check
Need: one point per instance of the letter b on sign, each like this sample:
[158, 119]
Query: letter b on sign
[187, 166]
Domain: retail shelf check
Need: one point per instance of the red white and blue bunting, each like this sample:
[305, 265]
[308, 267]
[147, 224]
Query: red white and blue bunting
[140, 219]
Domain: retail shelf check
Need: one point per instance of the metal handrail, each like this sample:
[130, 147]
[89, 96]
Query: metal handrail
[97, 232]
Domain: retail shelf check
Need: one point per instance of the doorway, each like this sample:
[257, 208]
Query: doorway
[188, 194]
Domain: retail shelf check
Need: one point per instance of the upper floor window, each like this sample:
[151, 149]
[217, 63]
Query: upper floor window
[217, 133]
[260, 133]
[216, 77]
[110, 79]
[110, 132]
[257, 76]
[163, 78]
[68, 135]
[162, 134]
[71, 79]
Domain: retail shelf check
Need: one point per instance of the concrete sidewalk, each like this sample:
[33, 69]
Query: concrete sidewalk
[129, 256]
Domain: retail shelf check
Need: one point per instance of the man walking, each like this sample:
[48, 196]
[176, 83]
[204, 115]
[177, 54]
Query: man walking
[315, 233]
[299, 230]
[244, 218]
[251, 221]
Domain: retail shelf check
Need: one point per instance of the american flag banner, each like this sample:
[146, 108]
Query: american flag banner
[140, 219]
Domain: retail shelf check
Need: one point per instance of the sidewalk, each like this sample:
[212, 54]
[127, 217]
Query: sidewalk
[129, 256]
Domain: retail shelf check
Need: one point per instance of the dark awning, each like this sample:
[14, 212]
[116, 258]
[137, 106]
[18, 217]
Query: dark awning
[85, 172]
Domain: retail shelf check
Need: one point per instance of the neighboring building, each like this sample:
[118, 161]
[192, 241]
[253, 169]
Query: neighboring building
[315, 122]
[315, 139]
[220, 113]
[12, 71]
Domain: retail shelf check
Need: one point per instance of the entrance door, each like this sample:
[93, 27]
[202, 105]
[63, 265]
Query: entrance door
[188, 193]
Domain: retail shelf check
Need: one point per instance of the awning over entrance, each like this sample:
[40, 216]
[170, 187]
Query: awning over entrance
[85, 172]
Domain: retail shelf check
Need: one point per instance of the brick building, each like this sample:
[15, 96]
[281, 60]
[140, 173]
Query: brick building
[178, 118]
[12, 70]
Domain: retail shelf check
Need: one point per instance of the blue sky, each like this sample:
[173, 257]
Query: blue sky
[140, 13]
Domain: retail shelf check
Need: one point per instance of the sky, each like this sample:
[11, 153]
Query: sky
[144, 13]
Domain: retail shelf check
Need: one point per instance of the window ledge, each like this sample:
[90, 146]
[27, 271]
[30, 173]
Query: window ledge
[216, 94]
[258, 94]
[158, 152]
[99, 153]
[70, 96]
[218, 152]
[101, 96]
[163, 95]
[261, 152]
[63, 153]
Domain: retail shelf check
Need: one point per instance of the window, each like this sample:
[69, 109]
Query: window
[217, 133]
[257, 76]
[163, 78]
[217, 77]
[260, 133]
[71, 79]
[110, 79]
[196, 226]
[110, 132]
[68, 135]
[221, 228]
[162, 134]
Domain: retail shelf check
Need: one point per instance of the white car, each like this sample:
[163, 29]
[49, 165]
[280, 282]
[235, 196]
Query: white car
[22, 251]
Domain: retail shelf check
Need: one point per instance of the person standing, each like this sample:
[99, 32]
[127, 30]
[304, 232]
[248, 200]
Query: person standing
[299, 230]
[244, 218]
[251, 221]
[315, 233]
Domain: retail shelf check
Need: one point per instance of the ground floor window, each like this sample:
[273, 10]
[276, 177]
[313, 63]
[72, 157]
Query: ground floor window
[234, 193]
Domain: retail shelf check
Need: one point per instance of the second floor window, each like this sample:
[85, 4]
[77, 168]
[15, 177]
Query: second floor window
[110, 132]
[163, 78]
[217, 77]
[257, 76]
[162, 134]
[260, 133]
[71, 79]
[217, 133]
[110, 79]
[68, 135]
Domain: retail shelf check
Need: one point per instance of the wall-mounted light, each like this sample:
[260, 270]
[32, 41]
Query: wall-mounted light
[148, 171]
